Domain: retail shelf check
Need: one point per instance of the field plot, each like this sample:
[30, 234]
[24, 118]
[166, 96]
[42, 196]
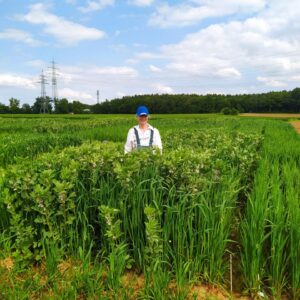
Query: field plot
[296, 125]
[79, 219]
[271, 115]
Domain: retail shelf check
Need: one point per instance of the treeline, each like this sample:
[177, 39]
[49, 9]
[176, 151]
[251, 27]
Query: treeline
[59, 106]
[283, 101]
[272, 102]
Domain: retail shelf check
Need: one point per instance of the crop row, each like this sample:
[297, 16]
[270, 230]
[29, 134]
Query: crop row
[25, 138]
[140, 209]
[270, 227]
[174, 217]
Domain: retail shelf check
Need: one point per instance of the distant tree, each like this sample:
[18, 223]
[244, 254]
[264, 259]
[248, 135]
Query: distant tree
[4, 109]
[26, 109]
[14, 105]
[70, 107]
[229, 111]
[295, 98]
[282, 101]
[37, 105]
[296, 93]
[78, 107]
[61, 106]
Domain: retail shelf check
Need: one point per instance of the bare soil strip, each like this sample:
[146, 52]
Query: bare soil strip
[296, 125]
[271, 115]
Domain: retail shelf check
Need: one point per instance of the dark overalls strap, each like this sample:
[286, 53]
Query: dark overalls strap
[151, 138]
[138, 142]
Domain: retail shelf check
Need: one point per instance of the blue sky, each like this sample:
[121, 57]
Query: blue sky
[148, 46]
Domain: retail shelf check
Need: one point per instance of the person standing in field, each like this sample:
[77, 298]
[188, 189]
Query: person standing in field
[142, 135]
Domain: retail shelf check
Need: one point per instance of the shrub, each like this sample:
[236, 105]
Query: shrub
[229, 111]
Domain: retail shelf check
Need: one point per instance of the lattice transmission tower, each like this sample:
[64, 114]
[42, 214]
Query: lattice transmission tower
[54, 80]
[44, 104]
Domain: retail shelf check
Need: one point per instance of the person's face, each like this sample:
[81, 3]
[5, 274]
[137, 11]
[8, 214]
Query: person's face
[142, 119]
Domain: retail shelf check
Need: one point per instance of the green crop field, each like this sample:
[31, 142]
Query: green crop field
[79, 219]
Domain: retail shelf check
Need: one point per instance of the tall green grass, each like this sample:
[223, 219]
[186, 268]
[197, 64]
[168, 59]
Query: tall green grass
[270, 253]
[169, 217]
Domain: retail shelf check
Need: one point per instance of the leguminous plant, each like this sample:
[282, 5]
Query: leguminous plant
[81, 219]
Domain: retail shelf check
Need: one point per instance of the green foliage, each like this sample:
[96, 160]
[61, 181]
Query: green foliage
[43, 198]
[37, 106]
[229, 111]
[118, 259]
[282, 101]
[61, 106]
[270, 253]
[170, 216]
[14, 105]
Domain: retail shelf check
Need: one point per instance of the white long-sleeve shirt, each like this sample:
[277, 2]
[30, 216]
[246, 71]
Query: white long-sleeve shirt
[131, 142]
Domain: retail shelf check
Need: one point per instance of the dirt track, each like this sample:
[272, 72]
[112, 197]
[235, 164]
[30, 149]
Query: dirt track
[271, 115]
[296, 125]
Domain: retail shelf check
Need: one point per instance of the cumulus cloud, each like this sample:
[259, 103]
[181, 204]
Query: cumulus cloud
[264, 48]
[163, 89]
[269, 81]
[17, 81]
[120, 94]
[154, 69]
[185, 14]
[228, 73]
[96, 5]
[19, 36]
[82, 82]
[252, 52]
[147, 55]
[115, 71]
[66, 32]
[72, 94]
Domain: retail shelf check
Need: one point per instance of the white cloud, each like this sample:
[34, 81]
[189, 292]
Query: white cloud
[185, 14]
[269, 81]
[155, 69]
[120, 94]
[96, 5]
[82, 82]
[229, 73]
[141, 2]
[67, 32]
[19, 36]
[147, 55]
[253, 54]
[66, 77]
[163, 89]
[115, 71]
[72, 94]
[238, 49]
[17, 81]
[250, 54]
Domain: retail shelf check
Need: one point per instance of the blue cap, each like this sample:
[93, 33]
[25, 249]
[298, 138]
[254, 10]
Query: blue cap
[142, 111]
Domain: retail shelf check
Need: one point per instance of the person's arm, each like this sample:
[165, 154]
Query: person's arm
[130, 145]
[157, 140]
